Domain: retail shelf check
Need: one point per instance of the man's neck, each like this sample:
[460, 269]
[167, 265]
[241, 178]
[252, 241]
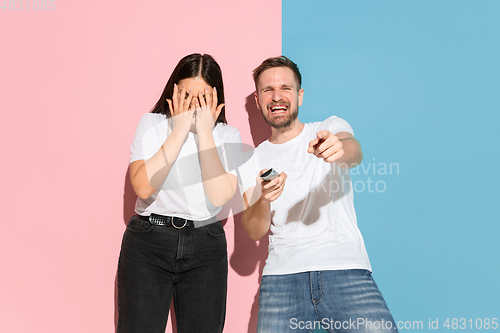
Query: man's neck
[282, 135]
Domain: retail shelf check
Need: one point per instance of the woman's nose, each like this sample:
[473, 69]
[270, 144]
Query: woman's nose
[194, 101]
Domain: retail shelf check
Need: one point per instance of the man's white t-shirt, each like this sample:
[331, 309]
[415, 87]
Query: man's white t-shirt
[313, 224]
[182, 193]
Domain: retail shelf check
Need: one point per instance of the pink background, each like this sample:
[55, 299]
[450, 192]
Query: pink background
[74, 83]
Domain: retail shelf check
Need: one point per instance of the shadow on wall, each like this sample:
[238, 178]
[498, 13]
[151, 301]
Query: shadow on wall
[129, 198]
[248, 255]
[259, 129]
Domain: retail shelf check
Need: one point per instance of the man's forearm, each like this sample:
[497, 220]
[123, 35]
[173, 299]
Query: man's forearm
[352, 153]
[256, 219]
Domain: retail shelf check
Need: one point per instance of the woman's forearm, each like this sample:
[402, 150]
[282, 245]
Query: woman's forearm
[147, 177]
[219, 185]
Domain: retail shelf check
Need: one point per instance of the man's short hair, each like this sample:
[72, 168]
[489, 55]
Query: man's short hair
[280, 61]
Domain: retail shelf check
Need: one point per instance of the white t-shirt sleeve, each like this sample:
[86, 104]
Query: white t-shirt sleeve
[247, 171]
[147, 138]
[231, 151]
[335, 125]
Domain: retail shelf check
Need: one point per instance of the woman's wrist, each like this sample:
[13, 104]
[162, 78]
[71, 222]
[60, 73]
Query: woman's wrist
[177, 131]
[204, 133]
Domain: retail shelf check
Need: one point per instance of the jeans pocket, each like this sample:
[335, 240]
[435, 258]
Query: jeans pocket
[136, 225]
[215, 229]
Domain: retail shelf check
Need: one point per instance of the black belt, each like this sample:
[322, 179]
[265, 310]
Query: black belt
[168, 221]
[174, 221]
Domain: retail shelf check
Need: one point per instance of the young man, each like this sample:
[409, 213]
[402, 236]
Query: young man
[317, 272]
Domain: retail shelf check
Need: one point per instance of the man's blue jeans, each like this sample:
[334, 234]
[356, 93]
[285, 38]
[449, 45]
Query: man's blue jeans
[160, 263]
[338, 301]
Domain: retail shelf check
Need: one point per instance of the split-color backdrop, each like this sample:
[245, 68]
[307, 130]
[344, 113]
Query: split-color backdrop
[417, 80]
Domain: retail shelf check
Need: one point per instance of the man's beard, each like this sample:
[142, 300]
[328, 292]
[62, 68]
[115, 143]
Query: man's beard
[283, 121]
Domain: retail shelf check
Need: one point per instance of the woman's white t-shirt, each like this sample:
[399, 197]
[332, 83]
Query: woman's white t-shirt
[182, 193]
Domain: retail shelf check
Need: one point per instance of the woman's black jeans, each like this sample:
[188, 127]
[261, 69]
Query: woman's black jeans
[158, 263]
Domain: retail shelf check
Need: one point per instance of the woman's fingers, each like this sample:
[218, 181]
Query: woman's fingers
[181, 100]
[214, 99]
[208, 97]
[186, 98]
[175, 101]
[170, 107]
[201, 99]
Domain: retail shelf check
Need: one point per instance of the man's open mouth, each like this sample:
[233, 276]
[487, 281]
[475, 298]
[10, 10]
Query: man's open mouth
[277, 109]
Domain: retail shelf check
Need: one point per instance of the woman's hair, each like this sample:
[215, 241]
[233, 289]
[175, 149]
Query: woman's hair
[191, 66]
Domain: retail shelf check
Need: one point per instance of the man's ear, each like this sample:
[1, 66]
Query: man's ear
[257, 100]
[301, 96]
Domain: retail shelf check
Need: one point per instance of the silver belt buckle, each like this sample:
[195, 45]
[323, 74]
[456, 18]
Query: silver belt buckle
[176, 227]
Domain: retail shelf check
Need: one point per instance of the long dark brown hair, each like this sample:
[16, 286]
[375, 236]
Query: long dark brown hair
[194, 65]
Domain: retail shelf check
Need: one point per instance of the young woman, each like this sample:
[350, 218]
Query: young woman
[182, 164]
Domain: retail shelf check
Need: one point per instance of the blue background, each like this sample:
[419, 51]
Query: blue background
[419, 83]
